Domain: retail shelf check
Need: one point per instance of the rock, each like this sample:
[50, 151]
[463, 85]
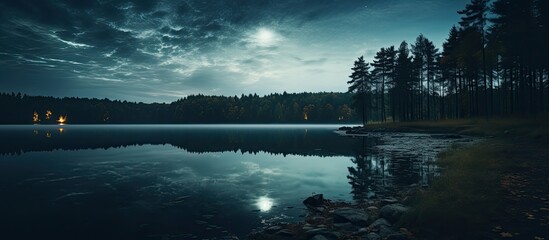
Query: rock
[316, 231]
[285, 233]
[397, 236]
[385, 231]
[333, 235]
[373, 212]
[393, 212]
[355, 216]
[371, 236]
[362, 231]
[319, 237]
[446, 136]
[319, 219]
[324, 232]
[406, 232]
[389, 201]
[378, 223]
[314, 201]
[372, 208]
[273, 229]
[318, 209]
[348, 227]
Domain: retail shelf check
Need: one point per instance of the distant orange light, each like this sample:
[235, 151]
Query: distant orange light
[35, 117]
[61, 130]
[305, 116]
[62, 119]
[48, 114]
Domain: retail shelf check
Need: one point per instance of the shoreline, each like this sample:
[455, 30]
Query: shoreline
[326, 219]
[472, 199]
[381, 216]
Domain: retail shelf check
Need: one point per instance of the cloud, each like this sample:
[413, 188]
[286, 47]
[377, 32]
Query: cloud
[72, 44]
[120, 49]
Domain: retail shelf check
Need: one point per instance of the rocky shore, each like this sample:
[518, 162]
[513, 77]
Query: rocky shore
[374, 219]
[329, 220]
[361, 131]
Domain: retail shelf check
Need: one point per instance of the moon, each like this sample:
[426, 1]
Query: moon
[265, 37]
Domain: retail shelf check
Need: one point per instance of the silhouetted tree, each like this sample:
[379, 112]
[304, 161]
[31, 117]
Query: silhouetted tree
[359, 177]
[450, 68]
[360, 85]
[431, 64]
[384, 64]
[488, 66]
[403, 83]
[474, 21]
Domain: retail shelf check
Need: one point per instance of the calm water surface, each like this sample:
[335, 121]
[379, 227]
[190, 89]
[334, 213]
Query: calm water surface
[192, 181]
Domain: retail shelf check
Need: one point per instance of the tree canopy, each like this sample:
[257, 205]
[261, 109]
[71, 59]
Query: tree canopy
[492, 64]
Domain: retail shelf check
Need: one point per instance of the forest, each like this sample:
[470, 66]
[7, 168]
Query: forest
[273, 108]
[492, 64]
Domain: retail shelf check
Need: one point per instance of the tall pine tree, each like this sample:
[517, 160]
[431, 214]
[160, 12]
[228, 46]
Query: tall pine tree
[360, 85]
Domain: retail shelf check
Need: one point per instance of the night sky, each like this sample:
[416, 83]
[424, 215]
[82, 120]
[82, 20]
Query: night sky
[160, 51]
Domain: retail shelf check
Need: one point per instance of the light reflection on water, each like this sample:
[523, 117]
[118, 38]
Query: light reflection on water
[264, 203]
[148, 182]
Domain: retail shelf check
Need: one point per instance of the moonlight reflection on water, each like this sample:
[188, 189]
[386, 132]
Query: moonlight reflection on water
[264, 203]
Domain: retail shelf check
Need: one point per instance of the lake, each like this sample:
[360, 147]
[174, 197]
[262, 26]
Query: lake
[193, 181]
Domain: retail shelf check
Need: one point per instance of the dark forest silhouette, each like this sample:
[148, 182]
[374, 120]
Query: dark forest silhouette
[274, 108]
[492, 64]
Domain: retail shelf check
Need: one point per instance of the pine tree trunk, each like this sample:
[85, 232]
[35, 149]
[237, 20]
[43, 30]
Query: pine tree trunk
[457, 91]
[383, 117]
[428, 95]
[420, 107]
[491, 92]
[484, 74]
[542, 89]
[532, 92]
[512, 91]
[364, 116]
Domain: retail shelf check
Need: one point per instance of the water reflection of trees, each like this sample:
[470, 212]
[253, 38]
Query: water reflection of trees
[374, 171]
[377, 173]
[367, 176]
[359, 178]
[297, 141]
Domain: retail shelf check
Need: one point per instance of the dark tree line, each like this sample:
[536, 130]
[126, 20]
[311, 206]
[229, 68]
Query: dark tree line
[274, 108]
[492, 64]
[21, 109]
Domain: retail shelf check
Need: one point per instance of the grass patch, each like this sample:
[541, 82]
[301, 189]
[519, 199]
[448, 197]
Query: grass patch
[462, 201]
[468, 196]
[535, 126]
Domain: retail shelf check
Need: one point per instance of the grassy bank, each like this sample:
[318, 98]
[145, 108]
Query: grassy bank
[513, 127]
[463, 201]
[471, 196]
